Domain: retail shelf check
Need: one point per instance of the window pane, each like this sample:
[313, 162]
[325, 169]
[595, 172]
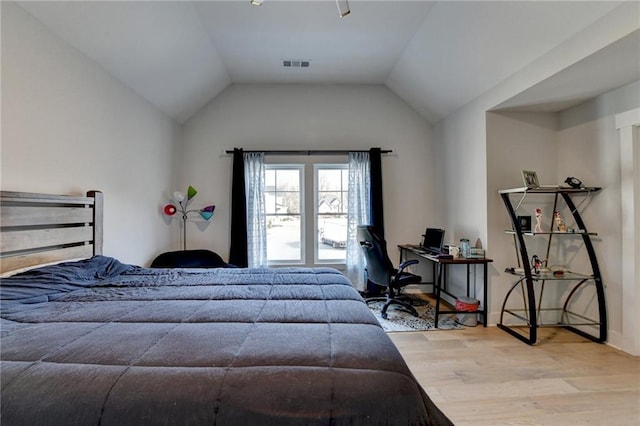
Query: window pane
[288, 180]
[288, 202]
[270, 178]
[330, 202]
[331, 209]
[329, 180]
[284, 220]
[270, 202]
[345, 178]
[332, 238]
[283, 238]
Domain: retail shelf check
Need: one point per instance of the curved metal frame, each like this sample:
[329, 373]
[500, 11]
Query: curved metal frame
[533, 308]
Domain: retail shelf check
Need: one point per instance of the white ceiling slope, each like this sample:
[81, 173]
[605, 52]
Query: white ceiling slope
[465, 48]
[603, 71]
[436, 55]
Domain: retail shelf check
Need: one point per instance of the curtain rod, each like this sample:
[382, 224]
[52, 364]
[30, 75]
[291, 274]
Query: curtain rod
[310, 151]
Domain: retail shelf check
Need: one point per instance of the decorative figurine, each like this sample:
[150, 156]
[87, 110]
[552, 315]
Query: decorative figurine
[538, 227]
[573, 182]
[560, 226]
[537, 264]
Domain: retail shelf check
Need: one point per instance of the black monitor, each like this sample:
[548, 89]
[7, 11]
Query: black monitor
[433, 239]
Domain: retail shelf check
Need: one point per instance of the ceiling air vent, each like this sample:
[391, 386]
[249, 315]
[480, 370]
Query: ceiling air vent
[296, 63]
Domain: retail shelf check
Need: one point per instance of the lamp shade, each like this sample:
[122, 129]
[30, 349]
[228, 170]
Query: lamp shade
[207, 212]
[170, 209]
[178, 196]
[191, 192]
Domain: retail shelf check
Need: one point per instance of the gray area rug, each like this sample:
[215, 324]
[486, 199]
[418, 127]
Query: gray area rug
[400, 320]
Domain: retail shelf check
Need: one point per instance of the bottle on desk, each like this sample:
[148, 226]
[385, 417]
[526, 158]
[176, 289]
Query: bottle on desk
[465, 247]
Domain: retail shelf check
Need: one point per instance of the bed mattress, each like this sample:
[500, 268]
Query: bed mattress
[101, 342]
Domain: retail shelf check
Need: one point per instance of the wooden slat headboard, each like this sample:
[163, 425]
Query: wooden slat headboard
[42, 228]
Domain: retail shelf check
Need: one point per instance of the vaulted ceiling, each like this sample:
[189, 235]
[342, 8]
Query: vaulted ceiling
[436, 55]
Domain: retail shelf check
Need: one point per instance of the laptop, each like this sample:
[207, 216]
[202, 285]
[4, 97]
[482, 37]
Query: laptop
[433, 240]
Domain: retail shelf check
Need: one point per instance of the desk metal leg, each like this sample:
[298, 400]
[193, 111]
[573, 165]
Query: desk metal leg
[484, 297]
[437, 267]
[468, 280]
[440, 285]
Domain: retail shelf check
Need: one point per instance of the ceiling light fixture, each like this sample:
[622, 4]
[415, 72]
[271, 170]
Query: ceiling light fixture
[343, 7]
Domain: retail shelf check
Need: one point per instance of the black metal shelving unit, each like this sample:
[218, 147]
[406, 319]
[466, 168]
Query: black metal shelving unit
[527, 318]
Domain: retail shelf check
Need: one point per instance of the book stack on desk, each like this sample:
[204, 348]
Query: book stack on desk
[444, 256]
[476, 253]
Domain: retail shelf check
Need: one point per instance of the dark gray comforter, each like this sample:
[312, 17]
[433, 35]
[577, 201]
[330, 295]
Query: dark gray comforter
[100, 342]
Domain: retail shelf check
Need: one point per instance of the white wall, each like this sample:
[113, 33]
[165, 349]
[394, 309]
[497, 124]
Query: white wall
[581, 142]
[69, 127]
[628, 125]
[529, 142]
[589, 148]
[312, 117]
[488, 164]
[461, 137]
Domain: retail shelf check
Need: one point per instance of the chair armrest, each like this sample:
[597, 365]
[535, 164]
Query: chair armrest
[403, 265]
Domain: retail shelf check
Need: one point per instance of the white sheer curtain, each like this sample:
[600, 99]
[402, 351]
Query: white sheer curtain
[359, 213]
[254, 172]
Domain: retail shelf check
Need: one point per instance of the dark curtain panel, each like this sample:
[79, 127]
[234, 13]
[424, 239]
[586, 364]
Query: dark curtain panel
[238, 250]
[377, 213]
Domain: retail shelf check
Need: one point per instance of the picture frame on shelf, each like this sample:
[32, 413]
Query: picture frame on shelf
[530, 179]
[524, 222]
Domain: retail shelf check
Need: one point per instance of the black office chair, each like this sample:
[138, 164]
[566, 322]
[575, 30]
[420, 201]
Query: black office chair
[381, 271]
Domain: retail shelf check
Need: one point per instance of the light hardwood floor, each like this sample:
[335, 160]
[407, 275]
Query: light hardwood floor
[483, 376]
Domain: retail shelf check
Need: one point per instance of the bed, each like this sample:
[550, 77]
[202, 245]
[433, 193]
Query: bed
[98, 341]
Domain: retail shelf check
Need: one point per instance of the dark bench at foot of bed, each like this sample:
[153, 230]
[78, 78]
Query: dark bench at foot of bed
[189, 259]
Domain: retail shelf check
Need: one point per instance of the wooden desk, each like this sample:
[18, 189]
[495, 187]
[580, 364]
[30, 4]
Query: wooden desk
[440, 267]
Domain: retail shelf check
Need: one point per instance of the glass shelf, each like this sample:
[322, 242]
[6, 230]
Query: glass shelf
[549, 276]
[533, 234]
[550, 190]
